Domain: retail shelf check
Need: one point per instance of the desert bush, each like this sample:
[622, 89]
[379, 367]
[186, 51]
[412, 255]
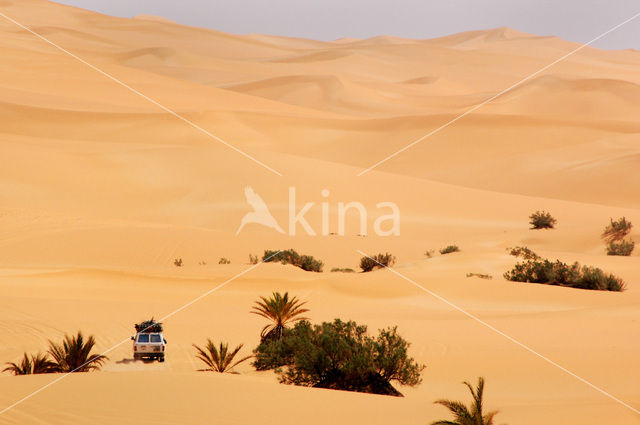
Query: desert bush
[624, 248]
[369, 263]
[449, 249]
[290, 256]
[310, 264]
[480, 275]
[74, 354]
[472, 415]
[429, 253]
[561, 274]
[219, 359]
[224, 260]
[253, 259]
[542, 220]
[523, 252]
[617, 230]
[341, 355]
[342, 270]
[615, 233]
[177, 262]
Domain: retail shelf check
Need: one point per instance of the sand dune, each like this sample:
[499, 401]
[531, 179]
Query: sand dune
[101, 189]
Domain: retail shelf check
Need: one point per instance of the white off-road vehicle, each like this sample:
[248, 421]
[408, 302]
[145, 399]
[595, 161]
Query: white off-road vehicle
[149, 342]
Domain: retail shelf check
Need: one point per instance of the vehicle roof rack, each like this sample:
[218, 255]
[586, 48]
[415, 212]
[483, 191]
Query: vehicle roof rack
[148, 326]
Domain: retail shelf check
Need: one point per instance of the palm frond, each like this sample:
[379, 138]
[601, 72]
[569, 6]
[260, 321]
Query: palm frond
[488, 418]
[25, 367]
[459, 410]
[74, 354]
[472, 415]
[281, 311]
[219, 359]
[41, 363]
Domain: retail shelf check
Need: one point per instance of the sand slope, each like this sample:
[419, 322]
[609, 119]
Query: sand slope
[101, 190]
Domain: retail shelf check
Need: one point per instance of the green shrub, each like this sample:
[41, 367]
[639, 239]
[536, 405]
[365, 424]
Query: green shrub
[449, 249]
[561, 274]
[224, 261]
[542, 220]
[624, 248]
[340, 355]
[523, 252]
[342, 270]
[290, 256]
[369, 263]
[617, 230]
[310, 264]
[614, 234]
[480, 275]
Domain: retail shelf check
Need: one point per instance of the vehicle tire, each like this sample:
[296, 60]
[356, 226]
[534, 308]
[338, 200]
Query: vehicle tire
[161, 359]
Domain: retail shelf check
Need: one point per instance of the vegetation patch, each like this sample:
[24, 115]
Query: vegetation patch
[449, 249]
[542, 220]
[342, 270]
[472, 415]
[73, 354]
[480, 275]
[224, 260]
[615, 236]
[219, 359]
[523, 252]
[369, 263]
[622, 248]
[561, 274]
[281, 311]
[341, 355]
[290, 256]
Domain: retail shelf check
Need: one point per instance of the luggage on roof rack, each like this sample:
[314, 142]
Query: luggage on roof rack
[148, 326]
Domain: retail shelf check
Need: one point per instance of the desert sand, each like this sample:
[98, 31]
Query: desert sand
[101, 190]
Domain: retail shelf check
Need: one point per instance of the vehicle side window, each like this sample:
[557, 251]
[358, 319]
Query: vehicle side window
[143, 338]
[156, 338]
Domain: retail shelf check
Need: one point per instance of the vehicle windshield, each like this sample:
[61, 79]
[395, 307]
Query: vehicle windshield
[155, 338]
[143, 337]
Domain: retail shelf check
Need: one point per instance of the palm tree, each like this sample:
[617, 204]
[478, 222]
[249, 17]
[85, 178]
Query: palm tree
[30, 364]
[24, 368]
[465, 416]
[74, 354]
[219, 360]
[43, 364]
[281, 311]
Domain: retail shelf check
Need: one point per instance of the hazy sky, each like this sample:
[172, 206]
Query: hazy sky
[575, 20]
